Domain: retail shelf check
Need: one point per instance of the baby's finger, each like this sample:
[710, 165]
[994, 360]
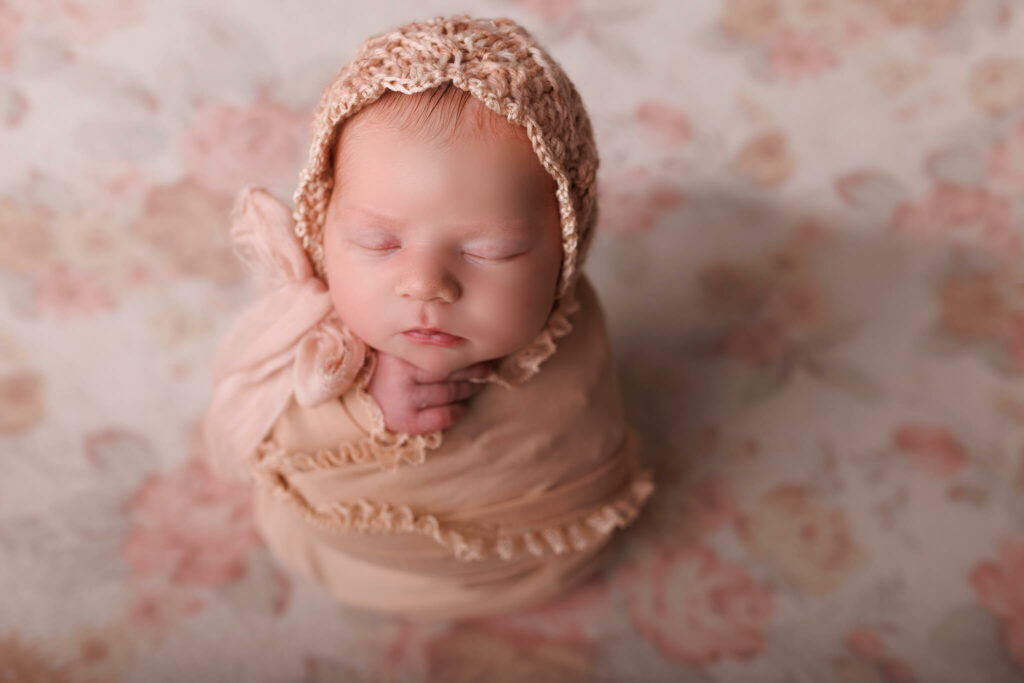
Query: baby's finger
[393, 371]
[438, 417]
[430, 395]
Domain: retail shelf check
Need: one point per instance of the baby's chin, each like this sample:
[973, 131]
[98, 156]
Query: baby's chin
[436, 362]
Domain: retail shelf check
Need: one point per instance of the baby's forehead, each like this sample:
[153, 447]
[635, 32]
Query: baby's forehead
[443, 115]
[451, 122]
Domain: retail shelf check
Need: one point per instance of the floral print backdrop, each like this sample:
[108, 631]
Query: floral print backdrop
[812, 215]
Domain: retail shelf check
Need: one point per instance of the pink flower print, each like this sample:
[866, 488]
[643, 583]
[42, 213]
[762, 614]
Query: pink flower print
[67, 292]
[156, 611]
[176, 326]
[127, 187]
[26, 660]
[798, 305]
[26, 238]
[13, 107]
[810, 544]
[835, 22]
[931, 448]
[866, 644]
[98, 652]
[972, 305]
[893, 76]
[664, 122]
[21, 401]
[91, 21]
[997, 85]
[897, 671]
[94, 241]
[1016, 341]
[923, 13]
[10, 27]
[552, 11]
[566, 619]
[760, 343]
[733, 289]
[191, 527]
[1006, 160]
[467, 654]
[765, 159]
[707, 507]
[793, 56]
[958, 213]
[632, 202]
[190, 226]
[752, 19]
[228, 148]
[696, 608]
[999, 585]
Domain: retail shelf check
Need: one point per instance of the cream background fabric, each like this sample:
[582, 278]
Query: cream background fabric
[808, 254]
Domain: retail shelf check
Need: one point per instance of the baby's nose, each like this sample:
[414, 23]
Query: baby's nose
[428, 281]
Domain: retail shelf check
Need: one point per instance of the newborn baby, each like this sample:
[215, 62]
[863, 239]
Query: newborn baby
[429, 280]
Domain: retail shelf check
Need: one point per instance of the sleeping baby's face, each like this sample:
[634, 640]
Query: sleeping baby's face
[441, 253]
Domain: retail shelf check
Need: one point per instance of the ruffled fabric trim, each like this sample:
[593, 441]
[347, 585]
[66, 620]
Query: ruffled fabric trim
[389, 456]
[389, 450]
[525, 363]
[383, 518]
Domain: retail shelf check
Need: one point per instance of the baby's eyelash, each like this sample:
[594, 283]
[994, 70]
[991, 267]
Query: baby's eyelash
[376, 246]
[489, 259]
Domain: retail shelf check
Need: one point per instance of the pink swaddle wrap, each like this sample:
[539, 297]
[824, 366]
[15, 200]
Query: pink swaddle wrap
[287, 342]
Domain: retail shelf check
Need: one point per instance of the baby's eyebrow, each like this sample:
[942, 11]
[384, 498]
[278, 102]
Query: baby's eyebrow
[387, 220]
[394, 223]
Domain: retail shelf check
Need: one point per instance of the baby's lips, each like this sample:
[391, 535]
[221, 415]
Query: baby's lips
[433, 338]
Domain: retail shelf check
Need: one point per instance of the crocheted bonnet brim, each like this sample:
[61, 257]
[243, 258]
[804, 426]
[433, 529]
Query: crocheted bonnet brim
[500, 64]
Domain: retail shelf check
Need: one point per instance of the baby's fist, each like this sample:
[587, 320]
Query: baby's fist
[414, 402]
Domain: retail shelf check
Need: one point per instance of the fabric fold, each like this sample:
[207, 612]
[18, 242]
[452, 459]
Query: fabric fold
[287, 342]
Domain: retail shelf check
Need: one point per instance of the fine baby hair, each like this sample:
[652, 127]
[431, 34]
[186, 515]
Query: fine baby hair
[436, 113]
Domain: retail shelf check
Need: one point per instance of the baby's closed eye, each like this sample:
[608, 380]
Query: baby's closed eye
[374, 240]
[479, 252]
[494, 251]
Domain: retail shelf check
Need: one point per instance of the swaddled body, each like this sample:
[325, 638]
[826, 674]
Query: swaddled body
[513, 506]
[444, 256]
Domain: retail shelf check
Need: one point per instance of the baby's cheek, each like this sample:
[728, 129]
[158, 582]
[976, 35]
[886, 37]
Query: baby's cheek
[352, 304]
[511, 317]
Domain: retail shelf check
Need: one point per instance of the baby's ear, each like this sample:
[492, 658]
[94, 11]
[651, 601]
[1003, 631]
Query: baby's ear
[262, 230]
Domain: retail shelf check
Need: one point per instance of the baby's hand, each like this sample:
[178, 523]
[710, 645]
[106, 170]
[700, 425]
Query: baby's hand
[413, 402]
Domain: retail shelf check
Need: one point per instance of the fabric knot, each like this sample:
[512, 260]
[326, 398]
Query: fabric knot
[327, 359]
[288, 341]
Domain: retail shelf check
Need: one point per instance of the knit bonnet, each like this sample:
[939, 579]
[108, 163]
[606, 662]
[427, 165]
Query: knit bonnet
[500, 64]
